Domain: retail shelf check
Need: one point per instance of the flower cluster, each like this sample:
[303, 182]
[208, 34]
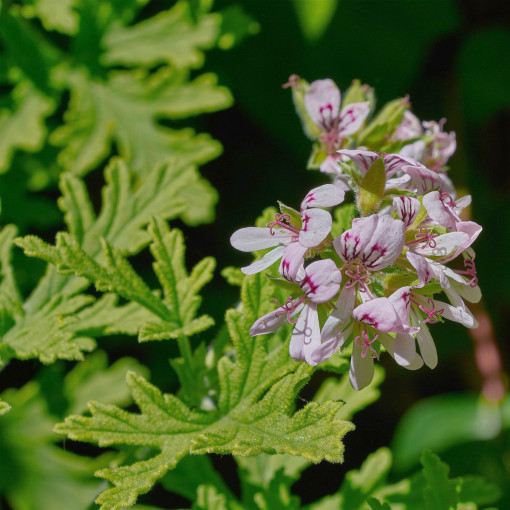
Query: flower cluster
[377, 283]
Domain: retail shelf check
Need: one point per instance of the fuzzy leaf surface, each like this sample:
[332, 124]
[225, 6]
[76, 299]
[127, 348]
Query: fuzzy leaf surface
[255, 411]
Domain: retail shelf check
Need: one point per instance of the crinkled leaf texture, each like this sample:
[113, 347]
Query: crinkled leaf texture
[58, 320]
[255, 411]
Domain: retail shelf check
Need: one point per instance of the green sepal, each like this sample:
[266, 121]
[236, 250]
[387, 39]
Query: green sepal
[394, 281]
[285, 284]
[343, 217]
[371, 190]
[317, 156]
[384, 123]
[299, 87]
[295, 217]
[429, 289]
[357, 93]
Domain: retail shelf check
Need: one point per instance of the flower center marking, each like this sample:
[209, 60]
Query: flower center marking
[281, 220]
[469, 264]
[431, 317]
[364, 342]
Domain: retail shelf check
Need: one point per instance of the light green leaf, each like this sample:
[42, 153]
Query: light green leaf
[358, 485]
[23, 128]
[54, 14]
[125, 110]
[376, 505]
[57, 321]
[277, 496]
[4, 407]
[390, 116]
[315, 17]
[255, 412]
[93, 378]
[169, 37]
[444, 421]
[439, 493]
[341, 389]
[233, 275]
[34, 473]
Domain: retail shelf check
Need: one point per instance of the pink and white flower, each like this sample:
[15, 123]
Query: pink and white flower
[292, 242]
[319, 283]
[322, 102]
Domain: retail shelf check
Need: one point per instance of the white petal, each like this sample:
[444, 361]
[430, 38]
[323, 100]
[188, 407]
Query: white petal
[322, 281]
[361, 371]
[292, 260]
[327, 195]
[322, 102]
[363, 159]
[407, 209]
[389, 344]
[306, 335]
[258, 238]
[352, 117]
[272, 321]
[443, 245]
[385, 244]
[316, 226]
[341, 315]
[267, 260]
[405, 349]
[427, 346]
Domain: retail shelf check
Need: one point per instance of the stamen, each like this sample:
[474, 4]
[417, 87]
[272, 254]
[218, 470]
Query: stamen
[469, 264]
[287, 308]
[424, 236]
[364, 342]
[431, 319]
[280, 220]
[447, 199]
[357, 278]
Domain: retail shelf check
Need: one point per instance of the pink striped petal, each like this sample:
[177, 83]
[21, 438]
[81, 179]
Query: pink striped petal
[352, 117]
[361, 371]
[292, 260]
[322, 102]
[407, 209]
[316, 226]
[322, 281]
[327, 195]
[363, 159]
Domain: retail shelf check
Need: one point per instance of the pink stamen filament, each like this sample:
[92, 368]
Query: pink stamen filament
[280, 220]
[288, 308]
[447, 199]
[364, 342]
[431, 317]
[424, 236]
[469, 264]
[356, 278]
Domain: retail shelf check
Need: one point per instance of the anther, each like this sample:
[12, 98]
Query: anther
[431, 317]
[364, 342]
[281, 220]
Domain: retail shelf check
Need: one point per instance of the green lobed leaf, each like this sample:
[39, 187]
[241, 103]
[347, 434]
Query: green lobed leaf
[57, 321]
[23, 128]
[56, 15]
[125, 110]
[255, 412]
[169, 37]
[439, 493]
